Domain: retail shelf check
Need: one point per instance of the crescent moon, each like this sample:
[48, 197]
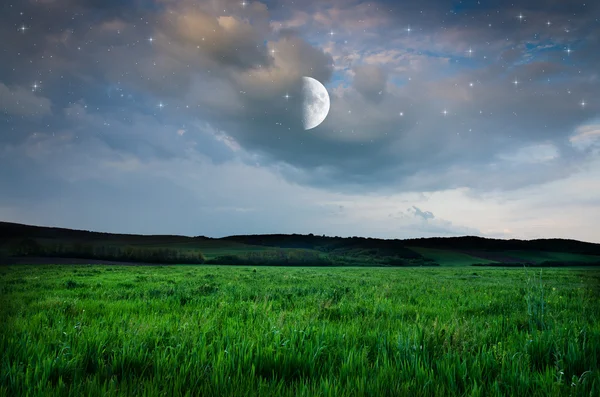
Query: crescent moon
[315, 103]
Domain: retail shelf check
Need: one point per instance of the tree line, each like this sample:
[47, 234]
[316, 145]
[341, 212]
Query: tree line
[30, 247]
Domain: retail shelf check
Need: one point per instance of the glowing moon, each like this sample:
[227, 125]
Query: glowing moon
[315, 103]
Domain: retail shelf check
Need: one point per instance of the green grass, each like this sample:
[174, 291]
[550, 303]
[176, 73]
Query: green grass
[449, 258]
[239, 331]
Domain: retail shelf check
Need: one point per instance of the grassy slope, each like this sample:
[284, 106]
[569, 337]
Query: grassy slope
[540, 256]
[222, 331]
[448, 257]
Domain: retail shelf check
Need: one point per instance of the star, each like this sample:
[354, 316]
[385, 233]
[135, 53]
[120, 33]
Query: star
[34, 87]
[161, 105]
[150, 40]
[244, 4]
[568, 50]
[582, 104]
[521, 17]
[516, 82]
[23, 28]
[331, 33]
[445, 112]
[401, 114]
[408, 29]
[548, 23]
[470, 51]
[287, 96]
[470, 84]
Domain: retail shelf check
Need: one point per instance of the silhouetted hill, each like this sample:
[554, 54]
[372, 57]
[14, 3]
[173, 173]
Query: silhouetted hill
[486, 244]
[296, 248]
[10, 230]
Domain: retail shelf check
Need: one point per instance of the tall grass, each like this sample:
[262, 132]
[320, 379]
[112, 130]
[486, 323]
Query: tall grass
[535, 301]
[235, 331]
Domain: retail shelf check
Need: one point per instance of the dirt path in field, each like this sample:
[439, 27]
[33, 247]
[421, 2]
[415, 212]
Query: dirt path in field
[68, 261]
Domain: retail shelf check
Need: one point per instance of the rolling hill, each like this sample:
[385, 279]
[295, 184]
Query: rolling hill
[18, 240]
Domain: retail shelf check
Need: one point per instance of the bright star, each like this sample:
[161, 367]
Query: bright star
[287, 96]
[548, 23]
[521, 17]
[516, 83]
[150, 39]
[34, 87]
[23, 28]
[161, 105]
[582, 104]
[408, 29]
[568, 50]
[244, 4]
[445, 112]
[470, 84]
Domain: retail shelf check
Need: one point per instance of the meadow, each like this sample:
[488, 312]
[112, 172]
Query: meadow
[204, 330]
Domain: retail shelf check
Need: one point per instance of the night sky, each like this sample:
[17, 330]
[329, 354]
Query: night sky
[182, 117]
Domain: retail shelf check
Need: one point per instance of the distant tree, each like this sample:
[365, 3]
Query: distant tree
[27, 247]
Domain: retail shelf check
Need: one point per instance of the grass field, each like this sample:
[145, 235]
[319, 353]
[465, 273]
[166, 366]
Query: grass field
[236, 331]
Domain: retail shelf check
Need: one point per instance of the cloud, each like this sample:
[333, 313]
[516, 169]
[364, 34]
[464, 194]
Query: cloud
[539, 153]
[586, 136]
[248, 64]
[370, 81]
[425, 215]
[228, 40]
[23, 102]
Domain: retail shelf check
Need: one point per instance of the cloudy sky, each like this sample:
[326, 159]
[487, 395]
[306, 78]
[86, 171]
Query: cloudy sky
[181, 116]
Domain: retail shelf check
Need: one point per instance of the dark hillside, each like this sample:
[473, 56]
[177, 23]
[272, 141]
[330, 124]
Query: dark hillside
[297, 249]
[473, 243]
[357, 245]
[17, 231]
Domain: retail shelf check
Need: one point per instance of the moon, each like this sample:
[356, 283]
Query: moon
[315, 103]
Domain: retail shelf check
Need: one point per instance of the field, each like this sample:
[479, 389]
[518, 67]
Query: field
[236, 331]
